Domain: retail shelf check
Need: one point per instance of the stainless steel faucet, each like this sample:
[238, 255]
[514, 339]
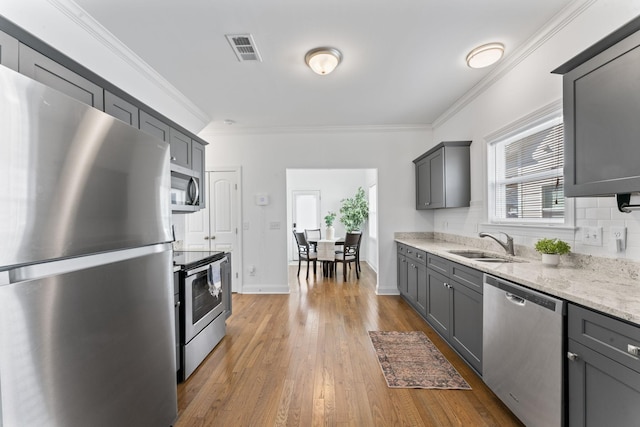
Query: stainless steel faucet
[508, 246]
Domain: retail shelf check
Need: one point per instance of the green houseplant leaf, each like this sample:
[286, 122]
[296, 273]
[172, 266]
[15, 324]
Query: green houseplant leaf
[354, 211]
[552, 246]
[329, 218]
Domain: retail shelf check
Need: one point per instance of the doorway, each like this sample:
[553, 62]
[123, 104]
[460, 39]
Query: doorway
[215, 227]
[332, 186]
[305, 214]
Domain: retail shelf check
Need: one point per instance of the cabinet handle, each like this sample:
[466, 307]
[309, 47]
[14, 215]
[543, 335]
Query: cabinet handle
[572, 356]
[632, 349]
[206, 237]
[173, 158]
[177, 304]
[446, 285]
[419, 256]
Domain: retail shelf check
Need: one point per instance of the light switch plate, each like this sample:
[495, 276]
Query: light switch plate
[592, 236]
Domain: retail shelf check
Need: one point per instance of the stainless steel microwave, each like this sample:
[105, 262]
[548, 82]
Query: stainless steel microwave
[185, 191]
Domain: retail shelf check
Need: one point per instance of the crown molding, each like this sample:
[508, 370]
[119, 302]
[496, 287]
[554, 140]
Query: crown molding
[557, 23]
[316, 129]
[93, 28]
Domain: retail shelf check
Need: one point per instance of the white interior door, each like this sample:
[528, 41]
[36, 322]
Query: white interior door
[305, 214]
[215, 228]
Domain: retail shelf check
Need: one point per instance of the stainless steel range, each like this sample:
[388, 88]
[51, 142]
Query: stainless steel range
[205, 289]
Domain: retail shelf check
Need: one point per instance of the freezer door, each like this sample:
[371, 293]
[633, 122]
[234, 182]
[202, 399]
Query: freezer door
[90, 347]
[74, 180]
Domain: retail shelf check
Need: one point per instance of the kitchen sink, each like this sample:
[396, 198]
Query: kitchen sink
[483, 256]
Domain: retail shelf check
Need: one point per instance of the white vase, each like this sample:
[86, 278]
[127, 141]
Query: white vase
[551, 260]
[329, 233]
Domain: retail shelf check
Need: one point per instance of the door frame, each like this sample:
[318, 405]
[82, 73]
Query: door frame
[293, 254]
[238, 255]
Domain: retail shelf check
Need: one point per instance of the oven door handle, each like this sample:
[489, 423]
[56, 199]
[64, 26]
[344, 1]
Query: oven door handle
[205, 267]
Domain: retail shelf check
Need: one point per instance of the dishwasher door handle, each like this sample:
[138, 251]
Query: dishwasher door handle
[515, 299]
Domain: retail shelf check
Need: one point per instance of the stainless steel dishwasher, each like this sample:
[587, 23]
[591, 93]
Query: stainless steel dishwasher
[522, 350]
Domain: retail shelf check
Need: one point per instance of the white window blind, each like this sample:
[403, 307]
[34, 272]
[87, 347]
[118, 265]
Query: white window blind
[528, 185]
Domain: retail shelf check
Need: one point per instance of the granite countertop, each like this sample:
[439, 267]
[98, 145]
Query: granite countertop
[608, 290]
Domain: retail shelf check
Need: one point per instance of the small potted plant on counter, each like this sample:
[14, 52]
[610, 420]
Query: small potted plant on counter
[551, 249]
[328, 220]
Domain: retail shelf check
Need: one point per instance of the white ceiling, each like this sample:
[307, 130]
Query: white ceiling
[403, 60]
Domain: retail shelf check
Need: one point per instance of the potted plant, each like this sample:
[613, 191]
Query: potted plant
[328, 220]
[354, 211]
[551, 249]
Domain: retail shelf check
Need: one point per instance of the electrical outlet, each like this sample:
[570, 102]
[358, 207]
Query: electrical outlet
[619, 236]
[592, 236]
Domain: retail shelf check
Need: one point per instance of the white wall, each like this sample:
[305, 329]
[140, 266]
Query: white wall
[525, 88]
[334, 186]
[265, 159]
[67, 28]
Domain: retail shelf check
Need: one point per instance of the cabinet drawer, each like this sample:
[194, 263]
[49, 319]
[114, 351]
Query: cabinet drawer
[466, 276]
[438, 264]
[608, 336]
[417, 255]
[402, 249]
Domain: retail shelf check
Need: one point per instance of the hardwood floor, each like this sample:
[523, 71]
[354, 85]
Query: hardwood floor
[305, 359]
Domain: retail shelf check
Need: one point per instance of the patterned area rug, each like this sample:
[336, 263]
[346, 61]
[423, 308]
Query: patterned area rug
[410, 360]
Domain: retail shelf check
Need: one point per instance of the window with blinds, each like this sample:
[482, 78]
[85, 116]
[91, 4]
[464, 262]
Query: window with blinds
[528, 185]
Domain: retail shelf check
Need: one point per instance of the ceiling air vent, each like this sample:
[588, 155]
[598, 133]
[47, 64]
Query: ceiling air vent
[244, 47]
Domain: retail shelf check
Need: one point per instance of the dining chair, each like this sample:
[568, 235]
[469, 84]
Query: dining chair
[313, 234]
[304, 252]
[349, 254]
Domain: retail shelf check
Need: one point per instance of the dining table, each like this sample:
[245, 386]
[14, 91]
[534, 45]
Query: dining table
[326, 253]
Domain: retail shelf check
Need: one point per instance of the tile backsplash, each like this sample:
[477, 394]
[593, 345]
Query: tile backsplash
[599, 212]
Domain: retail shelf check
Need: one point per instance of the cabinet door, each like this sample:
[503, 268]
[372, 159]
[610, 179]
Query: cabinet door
[421, 291]
[153, 126]
[412, 281]
[438, 294]
[46, 71]
[402, 274]
[423, 190]
[8, 51]
[180, 148]
[466, 324]
[436, 179]
[121, 109]
[197, 156]
[602, 392]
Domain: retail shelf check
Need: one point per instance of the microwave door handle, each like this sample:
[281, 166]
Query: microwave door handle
[194, 192]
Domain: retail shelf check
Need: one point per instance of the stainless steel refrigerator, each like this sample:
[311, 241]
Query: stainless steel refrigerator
[86, 297]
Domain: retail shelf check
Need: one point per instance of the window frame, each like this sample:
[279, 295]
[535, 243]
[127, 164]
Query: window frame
[545, 118]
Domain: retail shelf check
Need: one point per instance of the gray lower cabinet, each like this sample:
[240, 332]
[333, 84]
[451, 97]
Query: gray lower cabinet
[454, 306]
[46, 71]
[176, 305]
[448, 295]
[603, 369]
[121, 109]
[8, 51]
[443, 176]
[412, 277]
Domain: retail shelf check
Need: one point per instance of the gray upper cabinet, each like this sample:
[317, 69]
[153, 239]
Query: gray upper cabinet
[43, 69]
[121, 109]
[443, 177]
[601, 106]
[198, 160]
[153, 126]
[180, 148]
[603, 370]
[8, 51]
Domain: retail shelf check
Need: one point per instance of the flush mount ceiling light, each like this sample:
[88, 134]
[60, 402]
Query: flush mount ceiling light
[485, 55]
[323, 60]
